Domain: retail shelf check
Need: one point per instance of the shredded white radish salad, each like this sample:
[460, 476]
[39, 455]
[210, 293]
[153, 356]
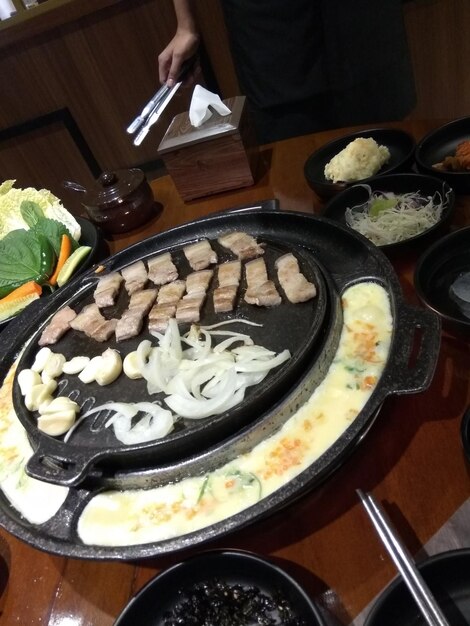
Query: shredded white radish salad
[387, 218]
[196, 376]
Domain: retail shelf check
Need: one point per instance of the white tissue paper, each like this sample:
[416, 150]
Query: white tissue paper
[7, 8]
[201, 103]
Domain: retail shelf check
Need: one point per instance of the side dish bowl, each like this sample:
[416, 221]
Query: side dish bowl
[465, 433]
[399, 142]
[447, 575]
[440, 143]
[165, 594]
[397, 184]
[437, 270]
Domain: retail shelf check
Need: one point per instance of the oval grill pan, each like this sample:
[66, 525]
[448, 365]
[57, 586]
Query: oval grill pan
[348, 258]
[296, 327]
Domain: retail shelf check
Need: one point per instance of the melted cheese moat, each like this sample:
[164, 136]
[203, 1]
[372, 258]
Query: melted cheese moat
[118, 518]
[37, 501]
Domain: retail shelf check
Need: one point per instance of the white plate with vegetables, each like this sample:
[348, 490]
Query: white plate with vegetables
[395, 210]
[42, 245]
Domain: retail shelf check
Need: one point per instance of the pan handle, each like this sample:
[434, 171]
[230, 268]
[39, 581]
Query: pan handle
[67, 471]
[417, 342]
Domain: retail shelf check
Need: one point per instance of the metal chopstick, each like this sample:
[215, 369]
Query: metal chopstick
[155, 114]
[148, 109]
[404, 561]
[156, 100]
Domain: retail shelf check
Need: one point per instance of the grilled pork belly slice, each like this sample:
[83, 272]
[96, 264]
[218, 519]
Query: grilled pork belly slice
[93, 324]
[57, 327]
[265, 294]
[296, 287]
[135, 277]
[189, 307]
[228, 275]
[260, 290]
[143, 300]
[165, 308]
[172, 292]
[107, 289]
[161, 269]
[200, 254]
[256, 272]
[198, 281]
[159, 316]
[129, 325]
[132, 319]
[224, 298]
[89, 312]
[244, 246]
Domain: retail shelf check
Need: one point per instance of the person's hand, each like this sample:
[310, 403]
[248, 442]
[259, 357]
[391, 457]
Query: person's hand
[183, 46]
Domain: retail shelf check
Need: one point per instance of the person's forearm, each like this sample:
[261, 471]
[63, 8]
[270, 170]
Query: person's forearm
[183, 46]
[184, 11]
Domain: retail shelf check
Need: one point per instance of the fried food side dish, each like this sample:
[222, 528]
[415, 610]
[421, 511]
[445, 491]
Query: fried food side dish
[460, 162]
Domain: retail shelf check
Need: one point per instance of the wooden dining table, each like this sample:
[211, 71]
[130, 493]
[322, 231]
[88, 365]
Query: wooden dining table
[411, 460]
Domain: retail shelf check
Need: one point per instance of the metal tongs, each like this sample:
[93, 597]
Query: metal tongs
[152, 111]
[404, 561]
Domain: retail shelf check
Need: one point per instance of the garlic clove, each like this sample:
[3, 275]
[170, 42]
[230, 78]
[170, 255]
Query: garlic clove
[54, 364]
[40, 359]
[130, 366]
[39, 394]
[76, 364]
[89, 372]
[44, 404]
[111, 367]
[57, 423]
[45, 377]
[59, 404]
[28, 378]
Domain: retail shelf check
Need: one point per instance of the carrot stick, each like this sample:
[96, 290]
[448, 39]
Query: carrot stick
[27, 289]
[64, 253]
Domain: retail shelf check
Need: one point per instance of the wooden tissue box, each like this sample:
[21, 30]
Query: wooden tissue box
[217, 156]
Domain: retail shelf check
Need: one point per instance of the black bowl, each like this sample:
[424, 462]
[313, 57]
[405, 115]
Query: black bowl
[447, 575]
[398, 184]
[438, 144]
[164, 593]
[435, 273]
[465, 433]
[400, 144]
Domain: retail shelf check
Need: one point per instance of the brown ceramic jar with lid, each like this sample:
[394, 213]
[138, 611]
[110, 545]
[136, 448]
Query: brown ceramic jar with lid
[120, 201]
